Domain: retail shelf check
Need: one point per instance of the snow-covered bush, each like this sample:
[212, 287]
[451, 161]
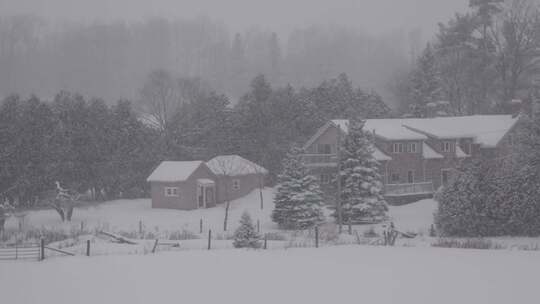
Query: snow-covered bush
[246, 236]
[485, 201]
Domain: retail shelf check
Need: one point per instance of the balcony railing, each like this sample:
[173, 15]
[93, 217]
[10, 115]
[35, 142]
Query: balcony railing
[320, 159]
[406, 189]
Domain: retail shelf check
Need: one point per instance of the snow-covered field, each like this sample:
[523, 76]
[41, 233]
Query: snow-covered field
[345, 274]
[125, 215]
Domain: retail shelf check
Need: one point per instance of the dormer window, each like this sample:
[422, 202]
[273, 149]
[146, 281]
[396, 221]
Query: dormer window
[446, 146]
[397, 148]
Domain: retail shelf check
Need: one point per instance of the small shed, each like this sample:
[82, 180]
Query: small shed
[184, 185]
[236, 176]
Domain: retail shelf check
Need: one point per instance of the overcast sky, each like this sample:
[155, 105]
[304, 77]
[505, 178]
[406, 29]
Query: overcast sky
[373, 16]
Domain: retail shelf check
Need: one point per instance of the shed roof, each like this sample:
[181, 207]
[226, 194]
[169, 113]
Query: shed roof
[174, 171]
[234, 165]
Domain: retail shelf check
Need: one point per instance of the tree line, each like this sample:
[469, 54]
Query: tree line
[108, 151]
[482, 61]
[112, 59]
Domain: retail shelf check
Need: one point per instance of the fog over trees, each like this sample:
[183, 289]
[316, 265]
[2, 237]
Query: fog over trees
[103, 49]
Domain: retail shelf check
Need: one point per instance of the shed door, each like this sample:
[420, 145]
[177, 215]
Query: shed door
[209, 195]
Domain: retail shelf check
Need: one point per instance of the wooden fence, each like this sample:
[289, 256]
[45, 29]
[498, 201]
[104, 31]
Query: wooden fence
[26, 252]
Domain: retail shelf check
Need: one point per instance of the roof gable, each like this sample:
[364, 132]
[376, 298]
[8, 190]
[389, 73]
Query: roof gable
[174, 171]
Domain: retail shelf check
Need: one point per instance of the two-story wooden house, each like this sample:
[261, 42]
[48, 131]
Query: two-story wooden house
[417, 155]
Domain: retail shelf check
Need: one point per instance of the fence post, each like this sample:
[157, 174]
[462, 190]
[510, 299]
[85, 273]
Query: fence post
[82, 226]
[42, 249]
[200, 226]
[209, 238]
[265, 241]
[258, 226]
[316, 236]
[140, 227]
[155, 246]
[87, 247]
[350, 229]
[16, 251]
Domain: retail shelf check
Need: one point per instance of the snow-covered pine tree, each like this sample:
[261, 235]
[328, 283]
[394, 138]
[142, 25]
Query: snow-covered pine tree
[361, 194]
[246, 236]
[298, 201]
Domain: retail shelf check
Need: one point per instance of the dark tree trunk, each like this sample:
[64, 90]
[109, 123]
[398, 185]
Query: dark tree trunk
[69, 213]
[226, 215]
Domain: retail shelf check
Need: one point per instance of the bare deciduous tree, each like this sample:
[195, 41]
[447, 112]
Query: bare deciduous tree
[63, 201]
[516, 37]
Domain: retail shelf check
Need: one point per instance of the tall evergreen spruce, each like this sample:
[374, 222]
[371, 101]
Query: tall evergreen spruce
[361, 195]
[298, 201]
[246, 236]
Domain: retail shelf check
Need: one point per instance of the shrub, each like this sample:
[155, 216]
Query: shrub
[370, 233]
[476, 243]
[182, 235]
[246, 236]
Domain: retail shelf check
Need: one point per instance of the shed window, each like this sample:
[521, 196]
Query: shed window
[171, 192]
[236, 184]
[394, 178]
[411, 148]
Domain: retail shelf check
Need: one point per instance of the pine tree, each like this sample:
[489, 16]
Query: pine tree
[361, 195]
[246, 236]
[425, 87]
[298, 201]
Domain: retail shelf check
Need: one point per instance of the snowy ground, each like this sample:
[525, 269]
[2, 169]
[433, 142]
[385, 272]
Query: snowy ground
[346, 274]
[123, 217]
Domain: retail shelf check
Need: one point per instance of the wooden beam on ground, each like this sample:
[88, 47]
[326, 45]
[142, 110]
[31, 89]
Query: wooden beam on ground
[118, 238]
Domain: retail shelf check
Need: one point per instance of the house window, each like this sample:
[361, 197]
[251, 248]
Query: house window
[411, 148]
[397, 148]
[324, 149]
[236, 184]
[446, 146]
[324, 179]
[466, 148]
[511, 140]
[445, 176]
[171, 192]
[410, 177]
[394, 178]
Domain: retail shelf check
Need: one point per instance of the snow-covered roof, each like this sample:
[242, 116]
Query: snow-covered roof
[460, 153]
[486, 130]
[234, 165]
[174, 171]
[379, 155]
[429, 153]
[389, 129]
[205, 181]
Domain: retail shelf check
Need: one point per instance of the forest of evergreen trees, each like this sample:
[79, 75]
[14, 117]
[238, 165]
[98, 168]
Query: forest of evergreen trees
[109, 150]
